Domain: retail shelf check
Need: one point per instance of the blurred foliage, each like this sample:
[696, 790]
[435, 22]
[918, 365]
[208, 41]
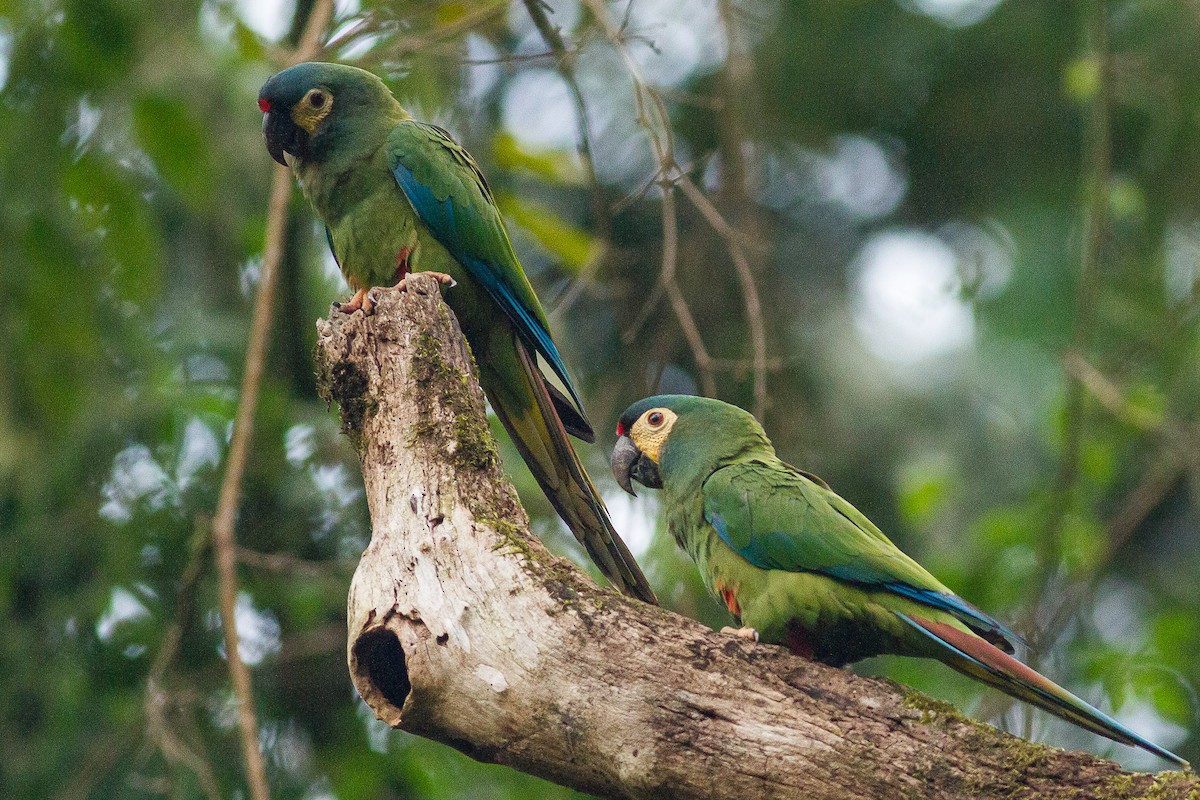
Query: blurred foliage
[909, 178]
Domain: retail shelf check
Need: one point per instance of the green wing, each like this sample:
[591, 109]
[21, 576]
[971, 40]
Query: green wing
[450, 195]
[777, 518]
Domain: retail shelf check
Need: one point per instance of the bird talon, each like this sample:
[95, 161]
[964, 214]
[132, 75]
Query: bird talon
[749, 634]
[355, 303]
[440, 277]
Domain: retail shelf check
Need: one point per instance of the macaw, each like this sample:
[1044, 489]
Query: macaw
[399, 196]
[799, 566]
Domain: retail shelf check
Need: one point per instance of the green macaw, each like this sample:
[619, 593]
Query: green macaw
[799, 566]
[400, 196]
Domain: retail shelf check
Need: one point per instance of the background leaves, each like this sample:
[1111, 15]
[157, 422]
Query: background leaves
[908, 184]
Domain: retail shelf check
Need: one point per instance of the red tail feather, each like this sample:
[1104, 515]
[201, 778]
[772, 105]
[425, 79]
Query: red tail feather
[987, 654]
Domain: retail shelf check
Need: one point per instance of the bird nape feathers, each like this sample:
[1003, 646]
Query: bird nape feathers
[400, 196]
[799, 566]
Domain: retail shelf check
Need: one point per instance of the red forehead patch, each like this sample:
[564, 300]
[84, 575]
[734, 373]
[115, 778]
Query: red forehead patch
[620, 429]
[263, 105]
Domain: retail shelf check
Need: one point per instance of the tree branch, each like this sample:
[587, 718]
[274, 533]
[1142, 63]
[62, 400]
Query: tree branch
[224, 518]
[224, 539]
[464, 629]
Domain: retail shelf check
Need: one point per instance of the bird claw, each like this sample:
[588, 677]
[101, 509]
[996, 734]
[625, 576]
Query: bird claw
[440, 277]
[359, 300]
[749, 634]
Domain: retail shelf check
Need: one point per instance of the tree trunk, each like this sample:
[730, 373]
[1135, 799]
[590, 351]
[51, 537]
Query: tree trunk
[464, 629]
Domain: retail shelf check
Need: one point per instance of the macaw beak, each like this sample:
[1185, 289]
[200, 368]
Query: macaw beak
[282, 136]
[630, 464]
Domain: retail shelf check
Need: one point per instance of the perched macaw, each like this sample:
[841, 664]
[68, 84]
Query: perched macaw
[400, 196]
[799, 566]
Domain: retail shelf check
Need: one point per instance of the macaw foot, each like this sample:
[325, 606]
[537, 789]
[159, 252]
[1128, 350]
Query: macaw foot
[361, 300]
[441, 278]
[749, 634]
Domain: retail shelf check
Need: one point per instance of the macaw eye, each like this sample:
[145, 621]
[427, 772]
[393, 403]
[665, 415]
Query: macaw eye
[655, 418]
[316, 98]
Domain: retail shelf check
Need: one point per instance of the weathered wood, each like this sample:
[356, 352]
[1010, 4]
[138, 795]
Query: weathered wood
[464, 629]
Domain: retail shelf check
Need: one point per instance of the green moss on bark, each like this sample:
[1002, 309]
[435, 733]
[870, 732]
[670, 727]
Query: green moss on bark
[470, 445]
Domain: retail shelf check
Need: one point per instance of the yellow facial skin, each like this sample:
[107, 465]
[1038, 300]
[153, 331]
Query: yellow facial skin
[312, 108]
[650, 432]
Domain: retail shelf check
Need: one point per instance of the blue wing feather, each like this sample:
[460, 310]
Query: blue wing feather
[438, 216]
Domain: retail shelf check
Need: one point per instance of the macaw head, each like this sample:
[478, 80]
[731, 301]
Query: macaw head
[676, 438]
[308, 107]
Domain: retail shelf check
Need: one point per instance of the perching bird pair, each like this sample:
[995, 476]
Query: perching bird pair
[791, 560]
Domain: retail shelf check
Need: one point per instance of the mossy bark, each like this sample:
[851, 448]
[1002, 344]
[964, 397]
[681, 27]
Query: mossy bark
[463, 628]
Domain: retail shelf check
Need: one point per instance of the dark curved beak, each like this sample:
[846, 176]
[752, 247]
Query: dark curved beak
[282, 136]
[630, 464]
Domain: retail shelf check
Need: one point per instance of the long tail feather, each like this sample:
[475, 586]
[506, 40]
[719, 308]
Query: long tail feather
[978, 659]
[541, 438]
[572, 420]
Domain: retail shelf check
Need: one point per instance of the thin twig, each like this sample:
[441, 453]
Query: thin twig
[739, 92]
[314, 31]
[372, 23]
[654, 119]
[1164, 474]
[157, 700]
[741, 265]
[1108, 394]
[630, 335]
[602, 215]
[1095, 229]
[670, 259]
[1165, 471]
[1095, 222]
[224, 539]
[566, 67]
[288, 564]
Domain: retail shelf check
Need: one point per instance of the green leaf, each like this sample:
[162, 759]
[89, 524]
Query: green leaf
[1005, 526]
[552, 166]
[1098, 461]
[1125, 199]
[171, 133]
[1146, 404]
[1081, 543]
[1172, 699]
[571, 245]
[109, 205]
[249, 45]
[1081, 78]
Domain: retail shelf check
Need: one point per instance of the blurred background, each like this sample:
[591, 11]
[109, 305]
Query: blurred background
[948, 250]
